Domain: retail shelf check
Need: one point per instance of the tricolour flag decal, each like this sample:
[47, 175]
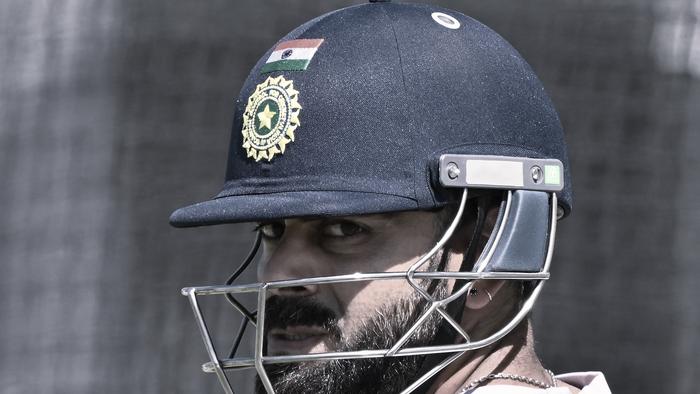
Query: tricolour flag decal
[293, 55]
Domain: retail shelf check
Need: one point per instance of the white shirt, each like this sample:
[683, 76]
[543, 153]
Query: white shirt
[587, 382]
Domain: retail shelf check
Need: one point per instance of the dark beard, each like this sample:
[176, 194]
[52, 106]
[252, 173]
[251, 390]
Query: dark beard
[360, 376]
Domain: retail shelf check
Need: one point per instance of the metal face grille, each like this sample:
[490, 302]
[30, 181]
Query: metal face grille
[256, 319]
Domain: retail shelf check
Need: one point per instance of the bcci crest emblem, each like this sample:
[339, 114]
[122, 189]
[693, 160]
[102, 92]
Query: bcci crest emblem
[270, 118]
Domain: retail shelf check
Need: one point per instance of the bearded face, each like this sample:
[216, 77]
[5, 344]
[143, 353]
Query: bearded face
[381, 331]
[342, 317]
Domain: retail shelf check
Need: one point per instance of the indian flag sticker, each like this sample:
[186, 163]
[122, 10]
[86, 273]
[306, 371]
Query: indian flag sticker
[294, 55]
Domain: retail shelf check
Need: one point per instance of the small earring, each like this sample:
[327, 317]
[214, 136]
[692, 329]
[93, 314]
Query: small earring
[475, 292]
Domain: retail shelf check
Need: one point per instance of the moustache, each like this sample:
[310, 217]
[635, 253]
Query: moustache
[282, 312]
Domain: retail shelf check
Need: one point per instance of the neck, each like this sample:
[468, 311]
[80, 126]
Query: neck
[514, 354]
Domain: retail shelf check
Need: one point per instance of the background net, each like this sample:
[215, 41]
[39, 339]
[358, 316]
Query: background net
[114, 113]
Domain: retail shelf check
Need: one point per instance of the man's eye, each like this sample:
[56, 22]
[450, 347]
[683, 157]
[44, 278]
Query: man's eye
[271, 230]
[342, 229]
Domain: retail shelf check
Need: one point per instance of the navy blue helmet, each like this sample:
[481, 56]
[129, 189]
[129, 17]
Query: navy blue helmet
[351, 111]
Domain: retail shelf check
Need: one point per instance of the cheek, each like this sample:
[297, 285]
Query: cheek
[263, 262]
[384, 258]
[363, 302]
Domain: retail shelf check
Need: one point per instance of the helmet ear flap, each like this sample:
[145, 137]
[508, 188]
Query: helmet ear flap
[522, 230]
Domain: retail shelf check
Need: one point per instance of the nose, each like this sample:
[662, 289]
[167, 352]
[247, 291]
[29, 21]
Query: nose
[294, 258]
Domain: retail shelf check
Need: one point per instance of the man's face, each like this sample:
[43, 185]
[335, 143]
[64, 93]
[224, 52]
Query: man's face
[344, 316]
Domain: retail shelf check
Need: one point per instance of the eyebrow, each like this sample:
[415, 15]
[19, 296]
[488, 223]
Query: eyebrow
[306, 219]
[381, 215]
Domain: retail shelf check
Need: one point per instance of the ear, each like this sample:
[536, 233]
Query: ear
[462, 236]
[482, 293]
[490, 221]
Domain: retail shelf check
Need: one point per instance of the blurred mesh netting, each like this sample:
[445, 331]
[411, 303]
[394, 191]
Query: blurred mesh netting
[113, 113]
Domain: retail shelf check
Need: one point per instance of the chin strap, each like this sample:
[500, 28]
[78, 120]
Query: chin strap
[446, 334]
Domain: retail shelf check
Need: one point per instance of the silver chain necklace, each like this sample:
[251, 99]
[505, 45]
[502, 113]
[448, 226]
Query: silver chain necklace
[523, 379]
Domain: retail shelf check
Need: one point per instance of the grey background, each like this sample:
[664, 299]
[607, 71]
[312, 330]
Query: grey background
[114, 113]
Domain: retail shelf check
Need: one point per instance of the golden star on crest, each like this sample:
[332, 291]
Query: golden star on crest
[266, 116]
[270, 118]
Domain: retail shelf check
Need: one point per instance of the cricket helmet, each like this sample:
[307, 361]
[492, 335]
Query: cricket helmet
[386, 107]
[350, 113]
